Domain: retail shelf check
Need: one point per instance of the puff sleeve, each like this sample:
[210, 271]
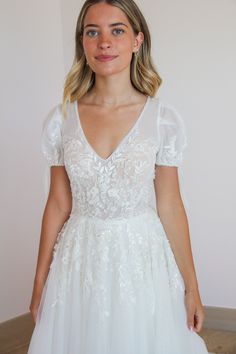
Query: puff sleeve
[51, 137]
[171, 136]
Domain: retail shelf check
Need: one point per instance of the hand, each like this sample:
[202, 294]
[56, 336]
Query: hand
[35, 300]
[34, 310]
[195, 310]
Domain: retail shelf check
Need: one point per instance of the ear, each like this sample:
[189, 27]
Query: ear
[138, 41]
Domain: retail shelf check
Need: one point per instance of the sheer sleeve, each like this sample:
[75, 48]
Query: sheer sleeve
[51, 138]
[172, 137]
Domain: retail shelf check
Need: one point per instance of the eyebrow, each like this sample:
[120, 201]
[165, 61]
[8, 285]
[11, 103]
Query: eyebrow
[111, 25]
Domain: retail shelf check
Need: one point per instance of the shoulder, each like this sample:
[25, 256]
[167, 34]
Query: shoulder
[165, 109]
[165, 112]
[168, 115]
[171, 126]
[55, 120]
[53, 115]
[51, 135]
[172, 137]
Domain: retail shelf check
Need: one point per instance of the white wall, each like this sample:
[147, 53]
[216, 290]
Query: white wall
[194, 46]
[194, 50]
[32, 74]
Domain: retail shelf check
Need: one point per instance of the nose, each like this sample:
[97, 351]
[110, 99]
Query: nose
[104, 41]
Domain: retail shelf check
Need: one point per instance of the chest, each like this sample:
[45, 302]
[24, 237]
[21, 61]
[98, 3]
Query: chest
[113, 146]
[105, 128]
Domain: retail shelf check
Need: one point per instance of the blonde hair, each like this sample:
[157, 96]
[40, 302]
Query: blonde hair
[143, 74]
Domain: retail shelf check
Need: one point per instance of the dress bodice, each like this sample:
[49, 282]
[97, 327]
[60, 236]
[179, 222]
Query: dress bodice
[121, 185]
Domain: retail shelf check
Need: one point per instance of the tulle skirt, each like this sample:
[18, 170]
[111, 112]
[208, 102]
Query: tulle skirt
[113, 288]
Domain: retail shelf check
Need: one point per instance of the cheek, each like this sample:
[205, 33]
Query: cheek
[125, 48]
[88, 46]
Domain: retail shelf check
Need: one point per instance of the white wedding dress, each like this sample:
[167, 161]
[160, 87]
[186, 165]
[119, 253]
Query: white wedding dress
[114, 286]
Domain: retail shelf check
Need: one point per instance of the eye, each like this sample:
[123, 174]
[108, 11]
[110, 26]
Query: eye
[118, 31]
[91, 33]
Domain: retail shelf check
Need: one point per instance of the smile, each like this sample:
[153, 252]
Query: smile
[105, 58]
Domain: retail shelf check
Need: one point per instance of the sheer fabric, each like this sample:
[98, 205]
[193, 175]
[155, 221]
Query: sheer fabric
[114, 286]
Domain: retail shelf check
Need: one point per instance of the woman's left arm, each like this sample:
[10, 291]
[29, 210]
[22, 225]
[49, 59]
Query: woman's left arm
[172, 214]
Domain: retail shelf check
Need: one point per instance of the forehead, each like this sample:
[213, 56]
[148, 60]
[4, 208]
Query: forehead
[104, 14]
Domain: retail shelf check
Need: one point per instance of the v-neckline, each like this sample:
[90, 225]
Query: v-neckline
[122, 141]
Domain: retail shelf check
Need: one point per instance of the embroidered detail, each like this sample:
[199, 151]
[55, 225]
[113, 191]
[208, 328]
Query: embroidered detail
[120, 186]
[113, 242]
[121, 256]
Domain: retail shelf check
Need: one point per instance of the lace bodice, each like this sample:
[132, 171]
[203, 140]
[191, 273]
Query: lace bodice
[121, 185]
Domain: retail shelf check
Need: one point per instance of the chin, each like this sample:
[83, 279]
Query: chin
[107, 71]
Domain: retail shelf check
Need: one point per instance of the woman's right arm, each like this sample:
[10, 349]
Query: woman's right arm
[56, 212]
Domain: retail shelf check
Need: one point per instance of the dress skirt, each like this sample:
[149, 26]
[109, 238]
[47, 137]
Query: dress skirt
[113, 288]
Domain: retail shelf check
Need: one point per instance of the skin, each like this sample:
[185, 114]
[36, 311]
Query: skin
[115, 100]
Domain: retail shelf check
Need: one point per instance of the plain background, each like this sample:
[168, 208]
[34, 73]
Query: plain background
[193, 47]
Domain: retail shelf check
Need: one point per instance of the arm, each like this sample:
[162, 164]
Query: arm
[171, 211]
[56, 212]
[172, 214]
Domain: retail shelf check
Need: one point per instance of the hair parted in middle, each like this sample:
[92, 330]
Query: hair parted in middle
[143, 74]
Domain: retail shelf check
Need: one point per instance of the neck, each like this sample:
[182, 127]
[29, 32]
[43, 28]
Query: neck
[112, 90]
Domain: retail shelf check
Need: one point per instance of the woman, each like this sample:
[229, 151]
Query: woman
[114, 275]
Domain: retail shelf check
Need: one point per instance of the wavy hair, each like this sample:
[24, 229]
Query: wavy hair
[144, 77]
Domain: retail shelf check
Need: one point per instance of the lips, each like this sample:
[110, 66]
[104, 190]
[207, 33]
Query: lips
[106, 57]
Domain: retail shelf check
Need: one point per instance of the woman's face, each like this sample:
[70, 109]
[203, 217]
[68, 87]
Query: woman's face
[108, 39]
